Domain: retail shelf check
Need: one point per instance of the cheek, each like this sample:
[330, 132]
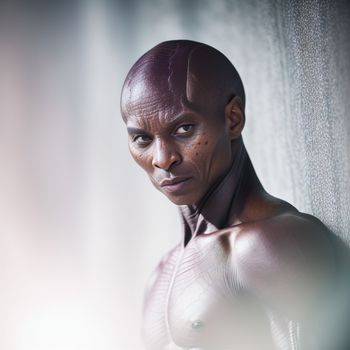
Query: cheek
[198, 148]
[212, 155]
[140, 158]
[203, 147]
[199, 153]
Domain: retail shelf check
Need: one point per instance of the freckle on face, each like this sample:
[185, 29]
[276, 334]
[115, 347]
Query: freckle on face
[202, 161]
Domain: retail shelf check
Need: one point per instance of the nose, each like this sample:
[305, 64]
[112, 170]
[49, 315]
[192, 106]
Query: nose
[165, 156]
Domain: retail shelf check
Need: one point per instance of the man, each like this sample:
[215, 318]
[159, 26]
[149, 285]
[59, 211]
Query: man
[251, 272]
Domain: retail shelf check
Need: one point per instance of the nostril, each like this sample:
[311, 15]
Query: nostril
[166, 163]
[165, 155]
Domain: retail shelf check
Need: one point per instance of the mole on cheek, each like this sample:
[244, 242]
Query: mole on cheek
[196, 153]
[206, 142]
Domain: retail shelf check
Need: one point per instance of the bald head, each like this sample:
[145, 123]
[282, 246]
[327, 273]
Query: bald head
[177, 74]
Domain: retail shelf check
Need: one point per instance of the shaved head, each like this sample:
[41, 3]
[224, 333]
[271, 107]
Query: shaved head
[177, 74]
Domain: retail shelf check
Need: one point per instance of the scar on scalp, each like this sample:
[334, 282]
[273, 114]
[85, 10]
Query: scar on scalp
[225, 243]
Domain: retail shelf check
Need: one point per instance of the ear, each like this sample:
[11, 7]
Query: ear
[235, 118]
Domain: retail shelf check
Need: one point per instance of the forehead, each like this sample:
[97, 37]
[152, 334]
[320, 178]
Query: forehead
[158, 115]
[145, 99]
[146, 106]
[148, 91]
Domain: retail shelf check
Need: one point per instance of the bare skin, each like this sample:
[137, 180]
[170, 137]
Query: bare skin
[251, 271]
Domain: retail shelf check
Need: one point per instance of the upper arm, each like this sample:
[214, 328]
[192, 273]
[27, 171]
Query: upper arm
[288, 262]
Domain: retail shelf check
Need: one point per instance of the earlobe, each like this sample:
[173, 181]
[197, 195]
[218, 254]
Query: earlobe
[235, 118]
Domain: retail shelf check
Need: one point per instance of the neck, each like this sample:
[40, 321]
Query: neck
[222, 204]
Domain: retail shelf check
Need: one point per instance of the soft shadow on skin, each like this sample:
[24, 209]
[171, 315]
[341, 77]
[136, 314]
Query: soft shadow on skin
[251, 271]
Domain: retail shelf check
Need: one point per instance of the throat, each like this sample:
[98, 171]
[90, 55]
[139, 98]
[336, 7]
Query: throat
[220, 205]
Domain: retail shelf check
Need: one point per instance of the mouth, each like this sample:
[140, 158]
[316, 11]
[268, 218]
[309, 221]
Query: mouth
[175, 184]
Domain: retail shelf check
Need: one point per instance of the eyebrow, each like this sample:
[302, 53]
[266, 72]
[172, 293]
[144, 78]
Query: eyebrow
[132, 130]
[176, 120]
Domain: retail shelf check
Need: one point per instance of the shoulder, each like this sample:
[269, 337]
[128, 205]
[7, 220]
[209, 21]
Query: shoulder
[290, 235]
[285, 259]
[290, 232]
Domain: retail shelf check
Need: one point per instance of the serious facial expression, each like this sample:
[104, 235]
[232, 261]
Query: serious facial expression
[184, 152]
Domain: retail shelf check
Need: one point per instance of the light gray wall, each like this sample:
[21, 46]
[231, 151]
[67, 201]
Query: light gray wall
[74, 260]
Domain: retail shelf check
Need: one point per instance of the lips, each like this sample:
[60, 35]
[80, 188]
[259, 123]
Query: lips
[174, 184]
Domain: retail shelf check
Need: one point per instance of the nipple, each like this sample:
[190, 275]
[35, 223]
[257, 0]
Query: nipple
[197, 325]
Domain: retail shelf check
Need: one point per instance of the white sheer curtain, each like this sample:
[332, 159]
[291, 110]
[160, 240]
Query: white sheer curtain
[81, 228]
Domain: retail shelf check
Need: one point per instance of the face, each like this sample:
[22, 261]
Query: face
[183, 152]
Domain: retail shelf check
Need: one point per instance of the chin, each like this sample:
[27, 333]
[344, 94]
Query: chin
[178, 201]
[181, 200]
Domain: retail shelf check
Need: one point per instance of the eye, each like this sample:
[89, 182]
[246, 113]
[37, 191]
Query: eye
[184, 129]
[142, 140]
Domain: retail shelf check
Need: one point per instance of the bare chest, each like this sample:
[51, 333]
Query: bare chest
[196, 302]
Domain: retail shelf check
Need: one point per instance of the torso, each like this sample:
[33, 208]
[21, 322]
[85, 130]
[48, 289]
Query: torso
[207, 295]
[195, 301]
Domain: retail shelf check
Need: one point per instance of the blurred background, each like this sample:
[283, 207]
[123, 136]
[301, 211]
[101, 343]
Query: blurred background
[78, 232]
